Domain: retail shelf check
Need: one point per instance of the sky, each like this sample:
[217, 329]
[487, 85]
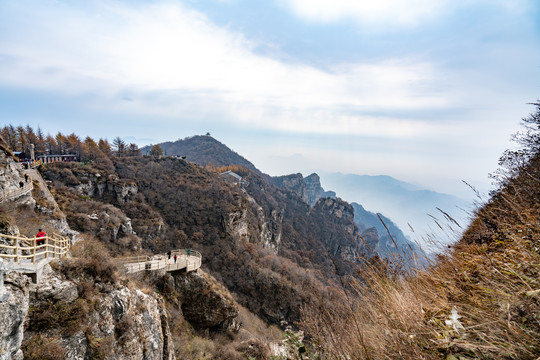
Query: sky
[426, 91]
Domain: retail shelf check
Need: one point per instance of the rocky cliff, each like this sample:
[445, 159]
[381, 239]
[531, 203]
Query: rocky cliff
[13, 309]
[386, 238]
[340, 215]
[205, 303]
[314, 189]
[250, 223]
[99, 203]
[81, 318]
[294, 183]
[37, 205]
[308, 188]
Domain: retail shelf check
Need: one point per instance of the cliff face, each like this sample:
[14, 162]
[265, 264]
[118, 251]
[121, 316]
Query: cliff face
[250, 223]
[36, 204]
[100, 320]
[13, 309]
[205, 303]
[294, 183]
[339, 215]
[308, 188]
[11, 179]
[100, 204]
[314, 189]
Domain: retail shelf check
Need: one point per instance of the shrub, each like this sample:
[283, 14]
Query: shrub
[90, 258]
[69, 317]
[39, 347]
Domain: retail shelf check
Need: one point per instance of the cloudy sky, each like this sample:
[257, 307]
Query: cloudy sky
[427, 91]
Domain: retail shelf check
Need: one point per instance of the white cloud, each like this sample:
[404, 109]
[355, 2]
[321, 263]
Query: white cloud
[174, 61]
[384, 14]
[400, 12]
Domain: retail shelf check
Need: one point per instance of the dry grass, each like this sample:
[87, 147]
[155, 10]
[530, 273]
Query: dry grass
[490, 278]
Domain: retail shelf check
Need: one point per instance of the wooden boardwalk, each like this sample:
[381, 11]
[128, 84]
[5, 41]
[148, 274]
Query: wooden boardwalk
[157, 262]
[25, 255]
[22, 254]
[6, 195]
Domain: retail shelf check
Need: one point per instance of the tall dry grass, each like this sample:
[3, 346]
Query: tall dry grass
[480, 300]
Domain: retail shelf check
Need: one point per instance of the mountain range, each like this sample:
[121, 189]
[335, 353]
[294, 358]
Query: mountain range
[413, 209]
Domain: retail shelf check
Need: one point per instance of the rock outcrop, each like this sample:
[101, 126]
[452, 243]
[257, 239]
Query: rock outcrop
[103, 320]
[344, 240]
[308, 188]
[294, 183]
[13, 309]
[314, 189]
[205, 303]
[249, 223]
[11, 179]
[101, 204]
[371, 237]
[385, 237]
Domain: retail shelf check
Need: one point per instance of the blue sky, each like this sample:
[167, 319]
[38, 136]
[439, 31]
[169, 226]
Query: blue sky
[427, 91]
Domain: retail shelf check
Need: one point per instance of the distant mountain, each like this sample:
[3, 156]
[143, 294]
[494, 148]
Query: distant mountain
[405, 203]
[203, 150]
[389, 236]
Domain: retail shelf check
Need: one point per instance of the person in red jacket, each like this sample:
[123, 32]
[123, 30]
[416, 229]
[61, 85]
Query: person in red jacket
[41, 234]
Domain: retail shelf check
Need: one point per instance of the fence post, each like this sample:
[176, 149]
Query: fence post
[16, 250]
[34, 252]
[46, 247]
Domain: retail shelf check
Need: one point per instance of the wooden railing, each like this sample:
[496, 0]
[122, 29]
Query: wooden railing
[12, 194]
[26, 249]
[162, 261]
[31, 164]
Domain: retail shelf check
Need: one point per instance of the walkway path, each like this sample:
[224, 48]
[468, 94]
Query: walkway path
[25, 255]
[22, 254]
[157, 262]
[13, 194]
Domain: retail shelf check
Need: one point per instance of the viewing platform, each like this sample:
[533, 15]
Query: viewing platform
[184, 261]
[24, 255]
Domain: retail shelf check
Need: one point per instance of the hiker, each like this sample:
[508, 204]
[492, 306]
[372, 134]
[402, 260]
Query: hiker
[175, 257]
[169, 254]
[40, 237]
[26, 177]
[188, 252]
[21, 184]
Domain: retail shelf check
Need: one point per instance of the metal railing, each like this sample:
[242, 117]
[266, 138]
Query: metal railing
[25, 249]
[188, 259]
[12, 194]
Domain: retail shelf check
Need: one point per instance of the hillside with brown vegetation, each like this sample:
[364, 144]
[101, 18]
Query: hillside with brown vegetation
[204, 150]
[284, 260]
[259, 241]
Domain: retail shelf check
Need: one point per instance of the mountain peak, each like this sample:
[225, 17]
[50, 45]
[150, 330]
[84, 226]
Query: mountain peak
[204, 150]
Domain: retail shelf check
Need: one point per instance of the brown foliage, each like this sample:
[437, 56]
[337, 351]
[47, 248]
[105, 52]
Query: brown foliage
[90, 260]
[41, 347]
[490, 280]
[68, 317]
